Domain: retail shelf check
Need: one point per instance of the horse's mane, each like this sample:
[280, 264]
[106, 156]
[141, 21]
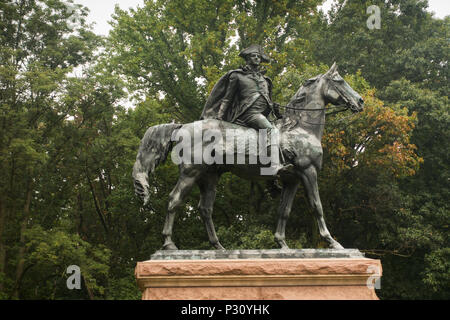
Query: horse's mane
[291, 117]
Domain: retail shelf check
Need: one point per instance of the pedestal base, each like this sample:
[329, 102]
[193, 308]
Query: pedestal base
[258, 279]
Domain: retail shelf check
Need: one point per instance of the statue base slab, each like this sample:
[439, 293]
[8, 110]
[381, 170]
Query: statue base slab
[258, 275]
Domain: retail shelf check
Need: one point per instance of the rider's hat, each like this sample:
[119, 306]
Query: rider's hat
[252, 49]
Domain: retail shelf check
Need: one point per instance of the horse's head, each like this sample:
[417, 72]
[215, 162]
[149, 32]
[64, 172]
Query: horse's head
[338, 92]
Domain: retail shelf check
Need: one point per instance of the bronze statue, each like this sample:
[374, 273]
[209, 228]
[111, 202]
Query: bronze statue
[301, 130]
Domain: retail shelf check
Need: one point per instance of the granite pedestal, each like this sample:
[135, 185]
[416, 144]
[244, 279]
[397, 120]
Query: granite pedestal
[258, 275]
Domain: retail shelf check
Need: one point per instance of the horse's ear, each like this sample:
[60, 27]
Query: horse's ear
[332, 70]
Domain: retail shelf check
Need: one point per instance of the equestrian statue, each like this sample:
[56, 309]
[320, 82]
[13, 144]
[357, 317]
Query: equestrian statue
[241, 102]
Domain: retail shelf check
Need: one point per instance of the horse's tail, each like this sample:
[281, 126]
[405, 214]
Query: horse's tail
[154, 148]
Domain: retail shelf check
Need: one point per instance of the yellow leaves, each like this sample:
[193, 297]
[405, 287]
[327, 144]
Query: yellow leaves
[378, 139]
[333, 142]
[401, 158]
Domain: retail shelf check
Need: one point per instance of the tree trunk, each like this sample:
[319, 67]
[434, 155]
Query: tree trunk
[89, 291]
[21, 254]
[96, 202]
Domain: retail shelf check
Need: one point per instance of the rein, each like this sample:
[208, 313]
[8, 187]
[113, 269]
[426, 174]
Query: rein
[327, 114]
[306, 109]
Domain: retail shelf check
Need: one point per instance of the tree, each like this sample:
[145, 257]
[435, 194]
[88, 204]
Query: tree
[428, 210]
[410, 43]
[39, 47]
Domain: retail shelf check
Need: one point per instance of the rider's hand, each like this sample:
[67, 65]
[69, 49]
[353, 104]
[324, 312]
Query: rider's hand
[276, 110]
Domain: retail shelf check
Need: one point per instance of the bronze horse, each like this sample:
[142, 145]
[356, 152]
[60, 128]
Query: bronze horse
[300, 130]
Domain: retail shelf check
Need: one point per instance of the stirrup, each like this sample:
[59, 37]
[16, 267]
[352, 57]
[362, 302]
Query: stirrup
[286, 168]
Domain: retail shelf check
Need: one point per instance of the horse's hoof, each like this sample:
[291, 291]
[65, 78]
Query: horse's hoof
[169, 246]
[282, 244]
[336, 245]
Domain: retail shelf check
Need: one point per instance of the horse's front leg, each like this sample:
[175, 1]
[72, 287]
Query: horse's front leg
[207, 187]
[184, 185]
[287, 198]
[309, 178]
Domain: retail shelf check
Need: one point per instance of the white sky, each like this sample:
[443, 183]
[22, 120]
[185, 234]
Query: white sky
[441, 8]
[101, 10]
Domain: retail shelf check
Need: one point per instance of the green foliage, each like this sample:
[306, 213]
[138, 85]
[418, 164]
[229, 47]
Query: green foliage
[123, 288]
[410, 43]
[51, 252]
[248, 238]
[437, 272]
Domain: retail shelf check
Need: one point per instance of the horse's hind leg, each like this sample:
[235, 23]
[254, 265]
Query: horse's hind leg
[309, 178]
[287, 197]
[207, 185]
[186, 181]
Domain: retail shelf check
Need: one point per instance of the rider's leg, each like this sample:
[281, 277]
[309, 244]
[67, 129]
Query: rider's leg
[259, 121]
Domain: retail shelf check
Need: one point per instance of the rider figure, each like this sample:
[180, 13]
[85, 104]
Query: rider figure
[254, 92]
[244, 95]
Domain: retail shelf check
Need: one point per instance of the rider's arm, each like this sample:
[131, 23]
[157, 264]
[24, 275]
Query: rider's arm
[276, 110]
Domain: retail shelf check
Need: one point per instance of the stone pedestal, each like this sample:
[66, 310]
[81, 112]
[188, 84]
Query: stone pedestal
[258, 275]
